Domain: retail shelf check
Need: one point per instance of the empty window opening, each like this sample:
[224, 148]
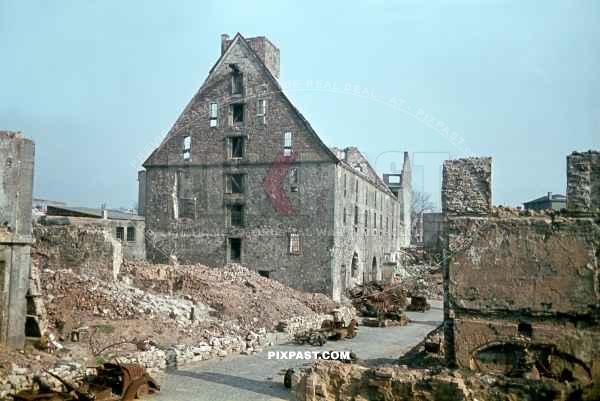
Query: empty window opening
[294, 244]
[264, 273]
[120, 233]
[261, 110]
[344, 217]
[354, 265]
[187, 208]
[345, 185]
[380, 223]
[186, 202]
[294, 179]
[237, 82]
[236, 114]
[187, 147]
[130, 234]
[287, 143]
[375, 220]
[32, 328]
[355, 215]
[214, 114]
[525, 329]
[235, 250]
[343, 279]
[356, 189]
[394, 179]
[366, 219]
[236, 215]
[234, 184]
[236, 147]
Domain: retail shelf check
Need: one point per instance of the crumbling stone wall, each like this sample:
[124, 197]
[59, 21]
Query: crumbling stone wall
[83, 248]
[583, 182]
[521, 289]
[466, 186]
[335, 381]
[16, 185]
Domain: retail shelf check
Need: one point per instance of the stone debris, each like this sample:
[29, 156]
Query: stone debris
[421, 279]
[333, 381]
[183, 300]
[159, 316]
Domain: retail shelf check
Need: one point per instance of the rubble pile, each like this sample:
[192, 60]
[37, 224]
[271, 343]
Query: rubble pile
[158, 316]
[332, 381]
[232, 300]
[233, 292]
[422, 279]
[84, 295]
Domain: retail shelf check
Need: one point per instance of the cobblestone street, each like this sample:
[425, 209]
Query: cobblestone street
[257, 378]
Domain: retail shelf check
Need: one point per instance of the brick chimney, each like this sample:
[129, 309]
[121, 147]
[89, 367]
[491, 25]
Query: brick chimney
[224, 42]
[264, 49]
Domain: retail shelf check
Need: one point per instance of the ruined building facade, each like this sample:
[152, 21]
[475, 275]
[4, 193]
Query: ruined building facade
[521, 287]
[16, 185]
[242, 177]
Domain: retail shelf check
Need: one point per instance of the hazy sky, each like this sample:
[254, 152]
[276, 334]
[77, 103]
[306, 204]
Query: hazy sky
[97, 83]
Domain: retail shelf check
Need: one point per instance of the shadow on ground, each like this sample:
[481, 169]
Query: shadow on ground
[270, 388]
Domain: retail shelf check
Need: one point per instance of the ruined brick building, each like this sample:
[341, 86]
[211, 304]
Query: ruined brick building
[321, 220]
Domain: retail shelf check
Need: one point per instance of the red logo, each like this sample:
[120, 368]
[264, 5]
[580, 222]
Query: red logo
[272, 184]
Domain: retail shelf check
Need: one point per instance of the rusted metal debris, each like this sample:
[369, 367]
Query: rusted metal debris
[111, 382]
[330, 330]
[398, 319]
[379, 300]
[287, 378]
[418, 304]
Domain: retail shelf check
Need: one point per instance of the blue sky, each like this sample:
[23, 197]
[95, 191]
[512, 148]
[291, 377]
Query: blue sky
[95, 83]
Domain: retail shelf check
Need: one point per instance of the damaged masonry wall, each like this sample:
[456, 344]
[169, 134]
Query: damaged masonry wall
[84, 245]
[16, 184]
[521, 289]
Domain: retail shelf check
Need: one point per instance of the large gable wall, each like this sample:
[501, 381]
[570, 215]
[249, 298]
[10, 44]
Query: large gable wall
[265, 235]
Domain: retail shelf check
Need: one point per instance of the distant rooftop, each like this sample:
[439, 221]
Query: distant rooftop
[549, 196]
[74, 211]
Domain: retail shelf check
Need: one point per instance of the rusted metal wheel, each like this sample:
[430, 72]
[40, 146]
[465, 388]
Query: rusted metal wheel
[142, 391]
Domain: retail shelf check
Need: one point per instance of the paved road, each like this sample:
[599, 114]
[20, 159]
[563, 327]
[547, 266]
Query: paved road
[257, 378]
